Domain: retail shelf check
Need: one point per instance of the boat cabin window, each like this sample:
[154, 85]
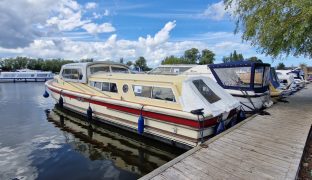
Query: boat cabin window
[163, 94]
[109, 87]
[204, 90]
[235, 77]
[120, 70]
[261, 76]
[99, 69]
[258, 77]
[266, 76]
[142, 91]
[104, 86]
[72, 74]
[159, 93]
[41, 75]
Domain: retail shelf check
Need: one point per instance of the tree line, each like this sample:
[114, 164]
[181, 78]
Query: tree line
[190, 56]
[54, 65]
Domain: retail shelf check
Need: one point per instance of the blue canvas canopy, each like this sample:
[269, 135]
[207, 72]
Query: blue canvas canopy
[242, 75]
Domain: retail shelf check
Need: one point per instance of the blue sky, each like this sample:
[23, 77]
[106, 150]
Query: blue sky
[113, 29]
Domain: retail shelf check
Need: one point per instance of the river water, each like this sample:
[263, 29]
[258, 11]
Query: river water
[40, 141]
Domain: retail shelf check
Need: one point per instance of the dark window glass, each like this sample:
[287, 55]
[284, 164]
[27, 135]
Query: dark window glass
[113, 87]
[204, 90]
[41, 75]
[119, 70]
[105, 86]
[163, 94]
[71, 74]
[100, 69]
[97, 85]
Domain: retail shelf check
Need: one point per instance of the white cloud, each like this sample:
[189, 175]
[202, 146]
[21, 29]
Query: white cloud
[106, 12]
[98, 15]
[94, 29]
[69, 16]
[19, 21]
[24, 21]
[90, 5]
[217, 11]
[153, 48]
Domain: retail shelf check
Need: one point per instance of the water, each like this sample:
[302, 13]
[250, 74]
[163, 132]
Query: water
[40, 141]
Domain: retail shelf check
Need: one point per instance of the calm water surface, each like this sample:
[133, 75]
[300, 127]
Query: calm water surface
[40, 141]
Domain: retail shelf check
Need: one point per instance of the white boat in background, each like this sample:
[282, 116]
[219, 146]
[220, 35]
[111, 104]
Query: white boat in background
[288, 80]
[26, 75]
[180, 110]
[247, 81]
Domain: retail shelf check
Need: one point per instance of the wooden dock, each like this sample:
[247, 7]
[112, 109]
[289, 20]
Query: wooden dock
[261, 147]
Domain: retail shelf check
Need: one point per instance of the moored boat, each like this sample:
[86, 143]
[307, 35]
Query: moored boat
[277, 90]
[248, 82]
[26, 75]
[287, 80]
[180, 110]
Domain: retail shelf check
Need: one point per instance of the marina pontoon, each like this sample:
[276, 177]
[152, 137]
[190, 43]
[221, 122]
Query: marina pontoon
[247, 81]
[26, 75]
[180, 110]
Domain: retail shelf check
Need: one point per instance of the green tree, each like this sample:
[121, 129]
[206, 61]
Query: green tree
[233, 57]
[276, 27]
[254, 59]
[141, 63]
[129, 63]
[280, 66]
[191, 56]
[207, 57]
[53, 65]
[173, 60]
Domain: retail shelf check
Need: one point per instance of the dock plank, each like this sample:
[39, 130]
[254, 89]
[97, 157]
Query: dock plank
[261, 147]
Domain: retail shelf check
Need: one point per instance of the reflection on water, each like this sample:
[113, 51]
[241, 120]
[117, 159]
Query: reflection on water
[40, 141]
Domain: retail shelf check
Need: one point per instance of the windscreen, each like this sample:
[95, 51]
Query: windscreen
[234, 76]
[274, 78]
[205, 91]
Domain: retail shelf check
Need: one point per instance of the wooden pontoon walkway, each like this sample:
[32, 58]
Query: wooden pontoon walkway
[261, 147]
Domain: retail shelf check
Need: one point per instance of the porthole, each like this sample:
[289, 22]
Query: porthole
[125, 88]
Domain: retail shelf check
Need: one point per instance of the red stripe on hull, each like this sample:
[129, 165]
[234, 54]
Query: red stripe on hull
[158, 116]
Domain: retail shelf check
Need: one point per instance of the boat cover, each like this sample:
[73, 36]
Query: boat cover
[242, 75]
[192, 99]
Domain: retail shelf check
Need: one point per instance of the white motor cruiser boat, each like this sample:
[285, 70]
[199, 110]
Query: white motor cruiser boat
[180, 110]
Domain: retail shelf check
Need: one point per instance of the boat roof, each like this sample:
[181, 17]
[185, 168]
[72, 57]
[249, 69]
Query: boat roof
[140, 77]
[178, 65]
[237, 64]
[87, 64]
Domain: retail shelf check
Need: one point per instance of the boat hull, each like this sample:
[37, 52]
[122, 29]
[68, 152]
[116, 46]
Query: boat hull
[175, 130]
[24, 79]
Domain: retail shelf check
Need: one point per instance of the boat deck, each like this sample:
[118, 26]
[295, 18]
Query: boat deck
[261, 147]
